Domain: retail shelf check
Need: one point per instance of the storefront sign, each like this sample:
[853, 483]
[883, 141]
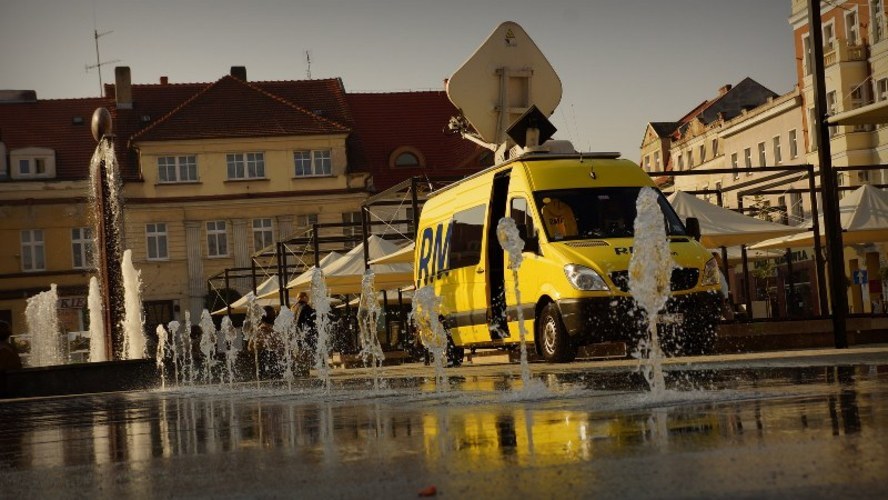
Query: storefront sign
[78, 302]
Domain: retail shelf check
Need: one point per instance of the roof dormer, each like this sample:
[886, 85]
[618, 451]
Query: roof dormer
[32, 163]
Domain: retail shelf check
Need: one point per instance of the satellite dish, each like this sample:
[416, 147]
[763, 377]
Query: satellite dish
[505, 76]
[531, 129]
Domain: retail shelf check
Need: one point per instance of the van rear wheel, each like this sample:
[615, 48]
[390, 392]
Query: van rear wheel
[555, 343]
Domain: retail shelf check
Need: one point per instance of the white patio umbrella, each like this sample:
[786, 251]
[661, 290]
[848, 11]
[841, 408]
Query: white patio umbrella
[266, 287]
[863, 215]
[721, 227]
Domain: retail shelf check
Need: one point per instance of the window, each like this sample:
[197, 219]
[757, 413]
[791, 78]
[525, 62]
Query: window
[796, 209]
[467, 230]
[807, 54]
[647, 163]
[702, 153]
[714, 148]
[33, 255]
[690, 159]
[735, 165]
[882, 89]
[831, 110]
[263, 234]
[793, 144]
[314, 163]
[747, 159]
[829, 37]
[657, 161]
[852, 28]
[32, 163]
[177, 169]
[681, 164]
[876, 15]
[246, 165]
[523, 219]
[761, 151]
[82, 247]
[352, 231]
[217, 241]
[718, 186]
[407, 159]
[306, 220]
[812, 123]
[156, 237]
[840, 181]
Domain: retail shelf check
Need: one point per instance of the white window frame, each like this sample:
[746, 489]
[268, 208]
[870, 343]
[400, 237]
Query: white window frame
[778, 154]
[156, 241]
[82, 246]
[829, 35]
[245, 166]
[877, 12]
[217, 238]
[807, 55]
[32, 163]
[702, 153]
[882, 89]
[747, 159]
[657, 161]
[33, 249]
[263, 233]
[793, 144]
[182, 167]
[762, 158]
[312, 163]
[735, 164]
[852, 26]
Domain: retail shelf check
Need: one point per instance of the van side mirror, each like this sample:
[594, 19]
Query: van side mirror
[692, 224]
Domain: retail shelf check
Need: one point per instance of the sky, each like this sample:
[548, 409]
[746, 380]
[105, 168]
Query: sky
[622, 63]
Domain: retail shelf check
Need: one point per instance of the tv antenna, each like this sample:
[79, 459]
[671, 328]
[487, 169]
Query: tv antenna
[308, 64]
[99, 63]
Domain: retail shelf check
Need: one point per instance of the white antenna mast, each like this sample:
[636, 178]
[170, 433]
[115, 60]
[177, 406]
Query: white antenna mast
[308, 64]
[99, 63]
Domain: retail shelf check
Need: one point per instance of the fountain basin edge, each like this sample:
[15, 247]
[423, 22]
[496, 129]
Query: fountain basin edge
[79, 378]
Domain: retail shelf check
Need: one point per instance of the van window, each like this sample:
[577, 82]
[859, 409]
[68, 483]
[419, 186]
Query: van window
[465, 242]
[523, 219]
[572, 214]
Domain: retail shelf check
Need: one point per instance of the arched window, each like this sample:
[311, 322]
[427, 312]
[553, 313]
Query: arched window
[406, 157]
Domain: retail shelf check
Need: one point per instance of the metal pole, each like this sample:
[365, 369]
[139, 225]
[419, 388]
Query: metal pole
[227, 302]
[819, 263]
[831, 221]
[365, 234]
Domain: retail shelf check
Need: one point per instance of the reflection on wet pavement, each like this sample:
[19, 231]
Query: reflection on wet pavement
[772, 431]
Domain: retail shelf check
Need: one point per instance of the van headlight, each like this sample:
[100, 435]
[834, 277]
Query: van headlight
[583, 278]
[710, 273]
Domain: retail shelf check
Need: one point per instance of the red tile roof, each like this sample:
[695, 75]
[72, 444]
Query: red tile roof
[385, 122]
[233, 108]
[50, 124]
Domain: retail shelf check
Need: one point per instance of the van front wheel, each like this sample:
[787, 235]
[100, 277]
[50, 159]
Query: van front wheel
[555, 343]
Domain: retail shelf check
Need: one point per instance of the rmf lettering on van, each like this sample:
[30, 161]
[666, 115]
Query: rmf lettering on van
[575, 213]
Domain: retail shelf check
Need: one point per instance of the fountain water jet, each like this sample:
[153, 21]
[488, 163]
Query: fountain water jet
[510, 239]
[105, 193]
[43, 326]
[426, 309]
[368, 315]
[650, 272]
[134, 322]
[98, 351]
[321, 299]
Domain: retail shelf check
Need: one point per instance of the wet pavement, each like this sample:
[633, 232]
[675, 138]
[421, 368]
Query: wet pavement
[806, 424]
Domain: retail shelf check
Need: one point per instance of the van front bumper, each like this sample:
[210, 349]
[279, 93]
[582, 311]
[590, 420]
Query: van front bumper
[605, 319]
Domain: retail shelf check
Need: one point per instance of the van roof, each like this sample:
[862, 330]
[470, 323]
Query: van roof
[530, 157]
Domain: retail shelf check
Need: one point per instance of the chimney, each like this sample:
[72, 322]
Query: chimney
[123, 87]
[239, 72]
[164, 80]
[724, 90]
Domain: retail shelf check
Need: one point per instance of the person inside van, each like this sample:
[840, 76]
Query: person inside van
[559, 219]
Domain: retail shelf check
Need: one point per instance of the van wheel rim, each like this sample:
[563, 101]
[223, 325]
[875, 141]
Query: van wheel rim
[549, 331]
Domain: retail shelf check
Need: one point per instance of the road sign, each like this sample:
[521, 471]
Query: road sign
[859, 277]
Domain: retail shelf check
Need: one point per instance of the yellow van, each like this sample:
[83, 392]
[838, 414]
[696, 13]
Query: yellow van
[576, 214]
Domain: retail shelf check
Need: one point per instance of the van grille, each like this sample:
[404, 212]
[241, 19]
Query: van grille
[586, 244]
[682, 279]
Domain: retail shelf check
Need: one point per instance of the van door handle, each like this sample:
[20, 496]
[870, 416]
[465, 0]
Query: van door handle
[479, 270]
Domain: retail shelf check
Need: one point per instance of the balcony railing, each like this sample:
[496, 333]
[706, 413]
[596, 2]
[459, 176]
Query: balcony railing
[842, 52]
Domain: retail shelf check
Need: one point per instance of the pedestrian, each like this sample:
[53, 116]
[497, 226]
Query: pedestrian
[268, 347]
[9, 358]
[306, 332]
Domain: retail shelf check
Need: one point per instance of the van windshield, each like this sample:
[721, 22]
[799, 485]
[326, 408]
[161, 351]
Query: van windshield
[577, 214]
